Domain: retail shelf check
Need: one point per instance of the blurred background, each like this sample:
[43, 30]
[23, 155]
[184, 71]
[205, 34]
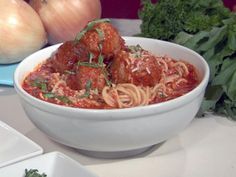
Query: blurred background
[127, 9]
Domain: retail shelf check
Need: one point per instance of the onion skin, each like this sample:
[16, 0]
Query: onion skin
[21, 31]
[64, 19]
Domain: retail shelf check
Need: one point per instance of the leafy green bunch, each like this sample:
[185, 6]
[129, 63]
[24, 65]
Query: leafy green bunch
[167, 18]
[207, 27]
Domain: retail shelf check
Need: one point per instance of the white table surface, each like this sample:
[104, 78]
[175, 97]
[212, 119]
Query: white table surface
[206, 148]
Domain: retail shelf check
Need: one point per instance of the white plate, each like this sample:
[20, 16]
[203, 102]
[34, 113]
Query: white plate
[54, 164]
[15, 146]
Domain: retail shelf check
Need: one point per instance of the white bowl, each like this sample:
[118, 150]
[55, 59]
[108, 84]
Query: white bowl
[53, 164]
[116, 130]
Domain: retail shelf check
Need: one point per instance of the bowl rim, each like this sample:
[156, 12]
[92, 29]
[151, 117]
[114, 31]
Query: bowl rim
[132, 112]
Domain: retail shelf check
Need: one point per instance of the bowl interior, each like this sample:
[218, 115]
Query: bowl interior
[175, 51]
[155, 46]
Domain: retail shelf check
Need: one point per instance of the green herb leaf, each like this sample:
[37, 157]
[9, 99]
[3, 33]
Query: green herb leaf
[90, 57]
[88, 85]
[95, 91]
[231, 87]
[100, 59]
[63, 99]
[33, 173]
[87, 89]
[41, 84]
[80, 35]
[49, 95]
[105, 73]
[193, 42]
[228, 69]
[215, 36]
[93, 65]
[100, 47]
[182, 37]
[135, 48]
[89, 26]
[100, 34]
[232, 38]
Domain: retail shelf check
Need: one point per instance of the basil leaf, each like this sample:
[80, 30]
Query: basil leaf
[230, 87]
[93, 65]
[89, 26]
[215, 36]
[100, 59]
[105, 73]
[64, 99]
[49, 95]
[90, 57]
[206, 105]
[192, 42]
[41, 84]
[209, 54]
[182, 37]
[88, 86]
[228, 69]
[80, 35]
[100, 34]
[232, 39]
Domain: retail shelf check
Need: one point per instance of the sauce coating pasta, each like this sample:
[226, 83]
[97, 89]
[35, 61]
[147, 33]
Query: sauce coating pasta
[98, 71]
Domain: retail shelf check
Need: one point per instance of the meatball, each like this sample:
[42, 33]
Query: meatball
[139, 68]
[85, 74]
[67, 55]
[110, 44]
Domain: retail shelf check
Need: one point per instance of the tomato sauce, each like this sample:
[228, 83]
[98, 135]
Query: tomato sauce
[94, 74]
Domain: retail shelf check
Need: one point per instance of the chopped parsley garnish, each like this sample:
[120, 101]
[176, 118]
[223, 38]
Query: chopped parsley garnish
[63, 99]
[95, 91]
[80, 35]
[89, 26]
[100, 47]
[101, 39]
[49, 95]
[135, 48]
[93, 65]
[87, 89]
[100, 34]
[162, 95]
[90, 57]
[100, 59]
[41, 84]
[100, 63]
[33, 173]
[108, 82]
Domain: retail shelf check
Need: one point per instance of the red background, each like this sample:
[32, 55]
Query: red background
[129, 8]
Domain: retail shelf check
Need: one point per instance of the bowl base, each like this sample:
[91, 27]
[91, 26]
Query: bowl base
[115, 154]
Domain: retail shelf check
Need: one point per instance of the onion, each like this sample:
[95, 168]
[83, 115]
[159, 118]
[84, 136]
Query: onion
[63, 19]
[21, 31]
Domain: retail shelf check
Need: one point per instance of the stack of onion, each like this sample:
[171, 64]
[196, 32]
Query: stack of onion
[21, 31]
[63, 19]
